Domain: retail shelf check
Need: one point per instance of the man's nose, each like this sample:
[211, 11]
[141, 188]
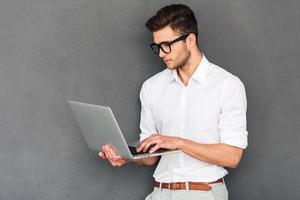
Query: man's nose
[161, 53]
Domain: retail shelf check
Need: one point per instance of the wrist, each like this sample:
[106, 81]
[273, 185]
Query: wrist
[180, 143]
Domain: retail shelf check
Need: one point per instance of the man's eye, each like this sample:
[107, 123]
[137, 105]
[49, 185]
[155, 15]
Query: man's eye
[164, 44]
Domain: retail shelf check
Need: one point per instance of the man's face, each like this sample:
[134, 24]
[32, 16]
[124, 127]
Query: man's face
[179, 55]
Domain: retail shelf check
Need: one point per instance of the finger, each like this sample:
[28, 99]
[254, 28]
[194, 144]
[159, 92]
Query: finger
[102, 155]
[153, 149]
[122, 162]
[151, 143]
[147, 145]
[141, 145]
[107, 152]
[113, 154]
[117, 163]
[112, 163]
[143, 142]
[106, 146]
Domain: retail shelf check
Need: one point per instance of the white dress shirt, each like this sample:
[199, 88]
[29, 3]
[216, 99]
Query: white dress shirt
[211, 109]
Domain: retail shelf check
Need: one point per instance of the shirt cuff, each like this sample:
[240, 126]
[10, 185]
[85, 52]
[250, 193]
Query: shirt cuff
[234, 138]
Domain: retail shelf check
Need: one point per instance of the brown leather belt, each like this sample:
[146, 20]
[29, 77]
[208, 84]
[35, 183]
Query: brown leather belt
[189, 185]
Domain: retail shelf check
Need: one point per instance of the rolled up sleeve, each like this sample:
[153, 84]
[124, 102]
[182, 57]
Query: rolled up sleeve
[147, 123]
[232, 122]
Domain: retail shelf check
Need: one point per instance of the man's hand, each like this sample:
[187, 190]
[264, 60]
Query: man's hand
[109, 154]
[156, 141]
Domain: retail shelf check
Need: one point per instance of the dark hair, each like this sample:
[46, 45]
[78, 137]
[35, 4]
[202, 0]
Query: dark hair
[180, 18]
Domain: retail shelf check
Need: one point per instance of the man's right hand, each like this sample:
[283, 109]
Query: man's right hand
[109, 154]
[115, 160]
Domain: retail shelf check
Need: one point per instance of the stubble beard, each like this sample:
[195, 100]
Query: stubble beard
[183, 62]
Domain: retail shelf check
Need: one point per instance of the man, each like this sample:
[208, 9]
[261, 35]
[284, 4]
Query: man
[193, 105]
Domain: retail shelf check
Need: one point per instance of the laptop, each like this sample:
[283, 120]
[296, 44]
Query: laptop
[99, 127]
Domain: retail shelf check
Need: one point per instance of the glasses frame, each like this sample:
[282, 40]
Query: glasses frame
[159, 46]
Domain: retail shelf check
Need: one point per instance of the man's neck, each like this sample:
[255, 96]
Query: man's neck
[186, 72]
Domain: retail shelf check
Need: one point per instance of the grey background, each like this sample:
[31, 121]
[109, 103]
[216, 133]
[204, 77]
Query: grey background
[97, 52]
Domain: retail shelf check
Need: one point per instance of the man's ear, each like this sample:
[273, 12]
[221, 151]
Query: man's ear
[191, 40]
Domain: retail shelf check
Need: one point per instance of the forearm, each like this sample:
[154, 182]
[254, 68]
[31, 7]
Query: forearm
[217, 154]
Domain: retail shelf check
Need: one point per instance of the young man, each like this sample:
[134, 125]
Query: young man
[193, 105]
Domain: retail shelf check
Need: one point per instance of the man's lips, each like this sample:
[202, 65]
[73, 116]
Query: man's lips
[167, 60]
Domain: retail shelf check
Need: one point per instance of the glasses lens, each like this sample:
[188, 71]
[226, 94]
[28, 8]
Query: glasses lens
[165, 47]
[155, 48]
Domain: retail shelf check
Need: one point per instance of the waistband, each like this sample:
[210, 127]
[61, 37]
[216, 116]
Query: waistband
[187, 185]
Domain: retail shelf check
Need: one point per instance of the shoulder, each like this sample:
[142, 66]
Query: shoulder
[223, 76]
[158, 79]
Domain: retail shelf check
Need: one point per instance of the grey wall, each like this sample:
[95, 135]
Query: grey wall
[97, 51]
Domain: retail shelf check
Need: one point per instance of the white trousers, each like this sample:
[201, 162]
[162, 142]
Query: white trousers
[218, 192]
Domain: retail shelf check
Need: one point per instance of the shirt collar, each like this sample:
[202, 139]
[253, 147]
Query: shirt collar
[199, 75]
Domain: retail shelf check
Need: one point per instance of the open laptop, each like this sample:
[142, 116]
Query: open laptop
[99, 127]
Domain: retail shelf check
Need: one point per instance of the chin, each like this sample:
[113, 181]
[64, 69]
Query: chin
[171, 67]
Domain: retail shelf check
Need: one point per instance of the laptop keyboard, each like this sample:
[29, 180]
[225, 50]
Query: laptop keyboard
[134, 152]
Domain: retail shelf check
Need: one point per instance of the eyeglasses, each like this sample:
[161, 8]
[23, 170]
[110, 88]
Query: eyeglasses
[166, 46]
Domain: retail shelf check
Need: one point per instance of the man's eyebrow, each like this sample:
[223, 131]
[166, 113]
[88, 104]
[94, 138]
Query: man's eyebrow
[162, 41]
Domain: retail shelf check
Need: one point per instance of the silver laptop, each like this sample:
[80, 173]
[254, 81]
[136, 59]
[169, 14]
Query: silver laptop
[99, 127]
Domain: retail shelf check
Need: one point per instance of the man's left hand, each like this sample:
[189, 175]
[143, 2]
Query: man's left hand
[156, 141]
